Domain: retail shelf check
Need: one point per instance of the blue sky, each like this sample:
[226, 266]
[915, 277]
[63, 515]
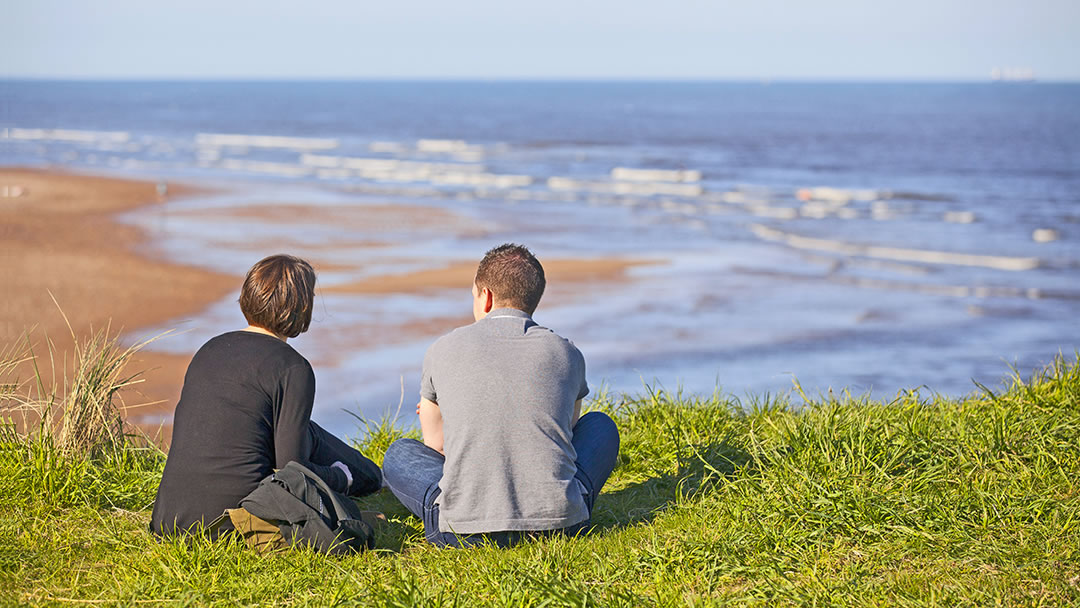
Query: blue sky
[695, 39]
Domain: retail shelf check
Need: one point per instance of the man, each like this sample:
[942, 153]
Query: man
[504, 453]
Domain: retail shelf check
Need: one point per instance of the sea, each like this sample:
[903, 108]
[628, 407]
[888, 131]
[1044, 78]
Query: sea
[846, 238]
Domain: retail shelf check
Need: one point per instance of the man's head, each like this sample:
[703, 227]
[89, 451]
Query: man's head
[278, 295]
[509, 276]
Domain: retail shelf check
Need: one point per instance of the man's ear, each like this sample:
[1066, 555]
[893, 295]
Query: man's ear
[489, 299]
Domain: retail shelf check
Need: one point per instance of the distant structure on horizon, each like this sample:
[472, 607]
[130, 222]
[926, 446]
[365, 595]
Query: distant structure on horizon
[1012, 74]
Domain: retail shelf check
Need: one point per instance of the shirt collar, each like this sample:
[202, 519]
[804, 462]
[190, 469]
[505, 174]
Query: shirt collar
[508, 312]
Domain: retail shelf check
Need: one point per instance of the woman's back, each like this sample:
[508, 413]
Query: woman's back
[243, 412]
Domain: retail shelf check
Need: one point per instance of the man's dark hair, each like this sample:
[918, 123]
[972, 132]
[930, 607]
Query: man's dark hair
[278, 295]
[513, 275]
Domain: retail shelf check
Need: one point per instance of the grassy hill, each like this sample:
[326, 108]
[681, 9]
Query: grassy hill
[787, 500]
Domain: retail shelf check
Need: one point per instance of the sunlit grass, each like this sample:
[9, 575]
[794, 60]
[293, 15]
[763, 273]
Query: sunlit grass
[836, 501]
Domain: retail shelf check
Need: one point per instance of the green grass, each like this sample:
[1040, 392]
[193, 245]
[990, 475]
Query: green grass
[837, 501]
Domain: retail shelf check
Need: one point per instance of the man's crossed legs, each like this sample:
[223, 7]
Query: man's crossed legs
[412, 472]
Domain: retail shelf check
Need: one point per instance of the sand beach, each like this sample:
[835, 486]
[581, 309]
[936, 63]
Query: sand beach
[59, 240]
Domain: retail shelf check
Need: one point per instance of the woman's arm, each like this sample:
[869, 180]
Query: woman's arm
[292, 427]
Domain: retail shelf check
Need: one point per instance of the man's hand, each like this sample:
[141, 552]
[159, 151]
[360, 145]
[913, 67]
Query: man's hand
[431, 424]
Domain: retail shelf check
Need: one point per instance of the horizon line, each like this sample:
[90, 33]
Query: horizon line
[543, 79]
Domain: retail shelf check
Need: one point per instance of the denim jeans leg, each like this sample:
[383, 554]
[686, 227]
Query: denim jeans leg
[412, 472]
[326, 448]
[596, 441]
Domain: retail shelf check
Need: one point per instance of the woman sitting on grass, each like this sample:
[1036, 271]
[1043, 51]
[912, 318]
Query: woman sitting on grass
[245, 409]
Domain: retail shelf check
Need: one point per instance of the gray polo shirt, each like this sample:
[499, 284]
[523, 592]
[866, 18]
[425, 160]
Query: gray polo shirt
[506, 389]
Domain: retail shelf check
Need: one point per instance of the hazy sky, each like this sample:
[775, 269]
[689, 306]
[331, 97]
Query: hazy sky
[750, 39]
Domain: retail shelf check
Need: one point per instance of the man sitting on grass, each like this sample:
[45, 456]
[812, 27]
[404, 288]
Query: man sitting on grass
[505, 455]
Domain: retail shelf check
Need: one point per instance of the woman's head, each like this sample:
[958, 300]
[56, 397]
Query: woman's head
[278, 295]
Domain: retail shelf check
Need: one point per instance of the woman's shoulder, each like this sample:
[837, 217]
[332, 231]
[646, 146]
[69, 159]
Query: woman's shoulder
[253, 348]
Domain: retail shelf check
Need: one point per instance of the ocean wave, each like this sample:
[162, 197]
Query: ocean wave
[630, 188]
[264, 141]
[654, 175]
[68, 135]
[394, 170]
[383, 165]
[926, 256]
[447, 146]
[269, 168]
[955, 291]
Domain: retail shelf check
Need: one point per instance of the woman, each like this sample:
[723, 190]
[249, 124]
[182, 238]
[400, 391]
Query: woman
[245, 409]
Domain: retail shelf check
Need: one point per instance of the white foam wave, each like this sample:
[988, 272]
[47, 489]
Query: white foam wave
[1045, 235]
[626, 188]
[491, 180]
[654, 175]
[956, 291]
[779, 213]
[394, 170]
[88, 137]
[270, 168]
[264, 141]
[384, 165]
[959, 217]
[996, 262]
[446, 146]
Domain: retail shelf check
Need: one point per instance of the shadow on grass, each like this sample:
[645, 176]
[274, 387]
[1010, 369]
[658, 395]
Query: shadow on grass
[400, 526]
[699, 469]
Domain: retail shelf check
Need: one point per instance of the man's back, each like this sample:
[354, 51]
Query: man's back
[506, 389]
[504, 454]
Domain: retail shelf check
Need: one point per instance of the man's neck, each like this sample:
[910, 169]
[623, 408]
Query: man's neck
[506, 311]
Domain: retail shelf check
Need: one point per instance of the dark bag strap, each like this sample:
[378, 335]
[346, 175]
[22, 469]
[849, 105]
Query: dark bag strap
[342, 511]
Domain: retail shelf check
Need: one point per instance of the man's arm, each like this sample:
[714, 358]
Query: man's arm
[577, 413]
[431, 424]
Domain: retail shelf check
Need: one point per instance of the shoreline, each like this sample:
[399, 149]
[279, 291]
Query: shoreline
[62, 236]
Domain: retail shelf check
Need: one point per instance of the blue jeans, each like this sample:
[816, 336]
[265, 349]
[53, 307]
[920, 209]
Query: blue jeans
[413, 470]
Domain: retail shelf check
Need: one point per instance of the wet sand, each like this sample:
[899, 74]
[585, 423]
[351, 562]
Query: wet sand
[366, 217]
[460, 275]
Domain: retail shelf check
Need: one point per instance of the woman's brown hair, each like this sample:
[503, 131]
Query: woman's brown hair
[278, 295]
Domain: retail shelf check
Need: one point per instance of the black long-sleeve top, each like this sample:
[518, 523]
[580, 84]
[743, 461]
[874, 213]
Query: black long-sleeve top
[244, 411]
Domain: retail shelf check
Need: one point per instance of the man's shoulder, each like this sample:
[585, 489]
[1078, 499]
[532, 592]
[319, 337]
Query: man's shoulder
[537, 336]
[550, 340]
[465, 332]
[546, 333]
[452, 339]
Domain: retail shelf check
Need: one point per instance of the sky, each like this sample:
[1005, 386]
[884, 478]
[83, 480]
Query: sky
[550, 39]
